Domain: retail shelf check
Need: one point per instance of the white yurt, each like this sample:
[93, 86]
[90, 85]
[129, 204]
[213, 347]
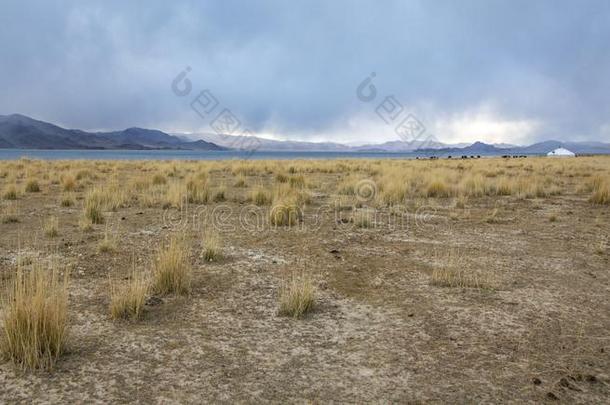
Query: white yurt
[561, 152]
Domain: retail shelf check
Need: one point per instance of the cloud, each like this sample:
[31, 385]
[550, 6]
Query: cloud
[483, 123]
[290, 69]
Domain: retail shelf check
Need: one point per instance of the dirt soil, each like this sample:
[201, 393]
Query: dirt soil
[380, 332]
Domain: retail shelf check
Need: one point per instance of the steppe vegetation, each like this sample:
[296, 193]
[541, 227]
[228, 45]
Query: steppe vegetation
[234, 267]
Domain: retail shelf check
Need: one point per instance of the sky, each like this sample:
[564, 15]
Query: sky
[495, 71]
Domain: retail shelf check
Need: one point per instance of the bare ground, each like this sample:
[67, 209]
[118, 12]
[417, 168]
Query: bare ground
[381, 332]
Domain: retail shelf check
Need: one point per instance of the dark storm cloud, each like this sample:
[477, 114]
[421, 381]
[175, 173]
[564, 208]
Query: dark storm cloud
[524, 69]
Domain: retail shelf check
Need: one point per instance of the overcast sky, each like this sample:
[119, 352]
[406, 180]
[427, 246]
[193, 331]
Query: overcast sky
[495, 71]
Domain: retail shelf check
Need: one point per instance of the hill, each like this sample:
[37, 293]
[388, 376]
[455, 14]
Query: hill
[21, 132]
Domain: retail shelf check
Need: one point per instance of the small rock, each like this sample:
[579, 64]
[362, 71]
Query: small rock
[536, 381]
[334, 251]
[552, 396]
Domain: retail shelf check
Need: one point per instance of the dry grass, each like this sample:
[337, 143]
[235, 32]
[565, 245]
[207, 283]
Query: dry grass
[84, 224]
[51, 227]
[159, 179]
[285, 212]
[601, 192]
[220, 195]
[10, 192]
[240, 181]
[175, 196]
[67, 200]
[172, 268]
[68, 183]
[281, 178]
[108, 244]
[197, 191]
[93, 207]
[128, 297]
[363, 219]
[32, 186]
[212, 247]
[297, 181]
[297, 296]
[260, 196]
[453, 273]
[438, 189]
[458, 277]
[35, 318]
[10, 214]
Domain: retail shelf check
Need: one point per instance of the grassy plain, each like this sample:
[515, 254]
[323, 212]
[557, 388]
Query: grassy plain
[480, 280]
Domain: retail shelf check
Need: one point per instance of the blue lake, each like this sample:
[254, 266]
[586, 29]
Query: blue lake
[9, 154]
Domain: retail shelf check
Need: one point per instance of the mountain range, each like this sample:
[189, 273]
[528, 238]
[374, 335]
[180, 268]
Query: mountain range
[425, 148]
[21, 132]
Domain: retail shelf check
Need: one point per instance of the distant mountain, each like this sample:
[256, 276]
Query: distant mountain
[401, 146]
[21, 132]
[541, 148]
[477, 148]
[263, 144]
[423, 147]
[576, 147]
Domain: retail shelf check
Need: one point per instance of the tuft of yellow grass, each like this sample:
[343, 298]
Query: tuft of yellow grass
[32, 186]
[10, 192]
[240, 181]
[362, 219]
[453, 273]
[68, 183]
[458, 277]
[297, 296]
[172, 268]
[260, 196]
[9, 214]
[438, 189]
[67, 200]
[159, 179]
[93, 207]
[212, 247]
[108, 244]
[601, 192]
[175, 196]
[285, 212]
[51, 227]
[128, 297]
[197, 191]
[281, 178]
[35, 318]
[220, 195]
[297, 181]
